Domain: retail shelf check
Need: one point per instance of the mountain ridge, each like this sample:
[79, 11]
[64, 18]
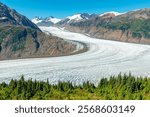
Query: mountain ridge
[131, 26]
[56, 21]
[10, 17]
[20, 38]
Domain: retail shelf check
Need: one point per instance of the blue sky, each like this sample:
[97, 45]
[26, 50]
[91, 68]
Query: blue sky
[63, 8]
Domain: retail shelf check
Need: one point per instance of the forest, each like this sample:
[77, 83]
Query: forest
[120, 87]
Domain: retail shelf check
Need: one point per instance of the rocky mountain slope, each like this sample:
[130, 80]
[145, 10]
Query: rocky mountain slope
[9, 17]
[20, 38]
[133, 26]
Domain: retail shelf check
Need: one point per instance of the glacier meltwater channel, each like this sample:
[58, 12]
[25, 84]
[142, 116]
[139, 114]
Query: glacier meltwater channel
[103, 59]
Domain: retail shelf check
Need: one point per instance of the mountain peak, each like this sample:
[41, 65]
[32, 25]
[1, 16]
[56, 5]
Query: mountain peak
[10, 17]
[138, 14]
[52, 19]
[81, 16]
[75, 17]
[48, 21]
[111, 12]
[37, 19]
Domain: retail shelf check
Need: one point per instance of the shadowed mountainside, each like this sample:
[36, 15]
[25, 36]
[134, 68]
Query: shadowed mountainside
[20, 38]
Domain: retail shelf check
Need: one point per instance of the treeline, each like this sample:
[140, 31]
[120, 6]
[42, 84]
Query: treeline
[119, 87]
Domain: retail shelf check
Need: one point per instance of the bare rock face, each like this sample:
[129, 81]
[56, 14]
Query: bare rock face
[20, 38]
[10, 17]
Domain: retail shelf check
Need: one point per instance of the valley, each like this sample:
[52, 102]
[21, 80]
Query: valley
[78, 48]
[103, 59]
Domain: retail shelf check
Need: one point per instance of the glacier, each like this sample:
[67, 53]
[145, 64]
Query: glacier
[103, 59]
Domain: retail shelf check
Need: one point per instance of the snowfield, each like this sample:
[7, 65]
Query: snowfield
[103, 59]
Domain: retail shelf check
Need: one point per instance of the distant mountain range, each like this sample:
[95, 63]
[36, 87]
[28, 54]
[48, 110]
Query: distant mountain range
[51, 21]
[48, 21]
[132, 26]
[20, 38]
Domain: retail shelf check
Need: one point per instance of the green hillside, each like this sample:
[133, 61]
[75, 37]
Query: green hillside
[138, 27]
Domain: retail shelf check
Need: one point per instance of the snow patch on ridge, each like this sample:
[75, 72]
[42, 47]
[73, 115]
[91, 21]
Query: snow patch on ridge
[37, 20]
[75, 17]
[113, 12]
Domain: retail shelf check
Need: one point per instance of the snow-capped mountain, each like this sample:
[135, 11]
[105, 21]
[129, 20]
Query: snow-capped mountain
[75, 18]
[80, 17]
[37, 20]
[48, 21]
